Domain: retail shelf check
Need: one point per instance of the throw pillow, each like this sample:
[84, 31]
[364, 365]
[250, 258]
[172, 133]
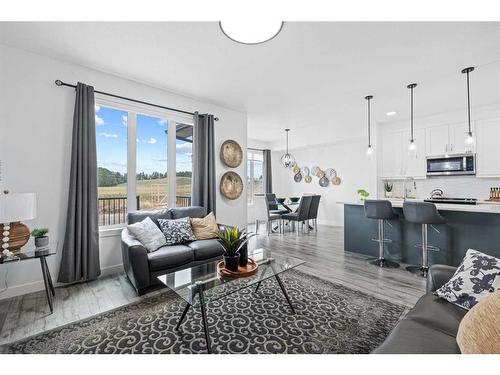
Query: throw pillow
[148, 234]
[177, 231]
[479, 330]
[477, 276]
[205, 228]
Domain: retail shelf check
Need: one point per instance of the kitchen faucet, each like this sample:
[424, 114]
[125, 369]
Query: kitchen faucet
[437, 193]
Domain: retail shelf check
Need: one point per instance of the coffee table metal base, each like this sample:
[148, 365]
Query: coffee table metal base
[199, 291]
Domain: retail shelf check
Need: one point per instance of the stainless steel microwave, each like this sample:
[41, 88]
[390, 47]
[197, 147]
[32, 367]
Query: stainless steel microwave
[451, 165]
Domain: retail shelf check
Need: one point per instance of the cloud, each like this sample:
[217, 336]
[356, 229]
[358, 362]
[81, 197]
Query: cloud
[97, 108]
[107, 135]
[184, 148]
[162, 122]
[151, 141]
[124, 120]
[99, 120]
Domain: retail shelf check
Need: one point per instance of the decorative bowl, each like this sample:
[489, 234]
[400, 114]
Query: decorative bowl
[280, 200]
[294, 199]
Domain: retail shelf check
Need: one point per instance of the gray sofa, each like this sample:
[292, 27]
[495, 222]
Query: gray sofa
[431, 326]
[142, 268]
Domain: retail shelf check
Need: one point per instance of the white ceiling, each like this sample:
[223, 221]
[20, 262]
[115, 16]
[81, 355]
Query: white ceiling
[312, 78]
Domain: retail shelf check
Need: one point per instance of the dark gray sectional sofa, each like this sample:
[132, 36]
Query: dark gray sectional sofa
[142, 268]
[431, 326]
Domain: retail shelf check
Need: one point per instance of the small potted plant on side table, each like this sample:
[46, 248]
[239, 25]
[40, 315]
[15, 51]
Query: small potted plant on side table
[363, 194]
[40, 235]
[232, 240]
[388, 189]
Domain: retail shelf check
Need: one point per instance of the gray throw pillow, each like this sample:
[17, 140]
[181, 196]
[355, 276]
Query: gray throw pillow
[477, 276]
[177, 231]
[148, 234]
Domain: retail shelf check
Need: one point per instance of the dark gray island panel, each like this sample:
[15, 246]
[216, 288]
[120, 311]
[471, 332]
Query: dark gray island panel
[463, 230]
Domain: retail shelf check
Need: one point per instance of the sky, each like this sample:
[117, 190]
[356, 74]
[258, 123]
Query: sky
[111, 139]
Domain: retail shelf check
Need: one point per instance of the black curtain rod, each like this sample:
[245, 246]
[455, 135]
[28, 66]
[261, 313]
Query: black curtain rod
[255, 149]
[58, 82]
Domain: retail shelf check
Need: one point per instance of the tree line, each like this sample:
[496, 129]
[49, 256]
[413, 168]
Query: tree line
[105, 177]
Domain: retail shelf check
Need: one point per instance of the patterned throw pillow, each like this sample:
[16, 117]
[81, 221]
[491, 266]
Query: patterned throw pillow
[477, 276]
[177, 231]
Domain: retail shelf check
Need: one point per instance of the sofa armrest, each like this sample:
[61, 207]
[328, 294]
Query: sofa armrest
[439, 274]
[135, 261]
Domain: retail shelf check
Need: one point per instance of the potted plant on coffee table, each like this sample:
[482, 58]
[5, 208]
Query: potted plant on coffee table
[388, 189]
[232, 240]
[40, 235]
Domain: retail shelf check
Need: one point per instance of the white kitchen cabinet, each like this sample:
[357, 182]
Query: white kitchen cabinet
[488, 150]
[392, 154]
[457, 136]
[437, 139]
[415, 163]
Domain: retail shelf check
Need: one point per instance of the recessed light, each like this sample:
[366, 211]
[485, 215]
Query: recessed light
[391, 113]
[251, 32]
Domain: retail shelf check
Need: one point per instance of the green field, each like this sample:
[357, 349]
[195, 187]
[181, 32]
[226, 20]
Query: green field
[152, 193]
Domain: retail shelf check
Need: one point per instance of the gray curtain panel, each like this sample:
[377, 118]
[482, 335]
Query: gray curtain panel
[267, 172]
[204, 184]
[80, 253]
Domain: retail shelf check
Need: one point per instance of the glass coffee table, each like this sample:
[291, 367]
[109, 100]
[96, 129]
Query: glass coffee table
[205, 282]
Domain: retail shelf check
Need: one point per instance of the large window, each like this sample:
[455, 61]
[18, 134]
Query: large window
[255, 183]
[163, 142]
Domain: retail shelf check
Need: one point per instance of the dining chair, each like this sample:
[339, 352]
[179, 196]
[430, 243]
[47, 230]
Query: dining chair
[273, 205]
[313, 211]
[301, 215]
[262, 213]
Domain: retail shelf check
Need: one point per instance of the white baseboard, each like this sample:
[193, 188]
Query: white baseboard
[36, 286]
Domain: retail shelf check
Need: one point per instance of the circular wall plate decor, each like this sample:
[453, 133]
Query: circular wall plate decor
[308, 179]
[323, 181]
[231, 185]
[336, 180]
[296, 170]
[297, 177]
[231, 154]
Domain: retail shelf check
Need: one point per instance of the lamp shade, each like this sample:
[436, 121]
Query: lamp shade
[17, 206]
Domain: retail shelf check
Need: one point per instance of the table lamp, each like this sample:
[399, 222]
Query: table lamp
[15, 207]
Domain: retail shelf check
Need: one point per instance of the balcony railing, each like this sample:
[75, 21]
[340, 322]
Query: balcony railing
[113, 210]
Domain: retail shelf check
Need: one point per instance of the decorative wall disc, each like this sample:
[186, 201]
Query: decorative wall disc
[231, 154]
[308, 179]
[321, 174]
[336, 180]
[315, 170]
[323, 181]
[304, 171]
[330, 172]
[296, 170]
[297, 177]
[231, 185]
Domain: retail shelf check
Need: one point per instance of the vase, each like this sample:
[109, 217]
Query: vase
[41, 241]
[231, 262]
[388, 194]
[243, 255]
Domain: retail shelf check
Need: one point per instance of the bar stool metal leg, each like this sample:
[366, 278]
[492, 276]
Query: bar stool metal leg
[424, 268]
[381, 261]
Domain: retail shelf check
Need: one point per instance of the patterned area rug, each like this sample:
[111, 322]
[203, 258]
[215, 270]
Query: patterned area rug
[330, 319]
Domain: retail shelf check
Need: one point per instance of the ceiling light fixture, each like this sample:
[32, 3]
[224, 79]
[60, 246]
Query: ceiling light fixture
[391, 113]
[287, 160]
[412, 147]
[369, 150]
[250, 32]
[470, 138]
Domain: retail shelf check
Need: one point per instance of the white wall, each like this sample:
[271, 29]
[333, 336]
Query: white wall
[35, 143]
[347, 157]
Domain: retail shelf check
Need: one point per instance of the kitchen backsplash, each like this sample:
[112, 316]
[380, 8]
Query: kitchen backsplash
[456, 187]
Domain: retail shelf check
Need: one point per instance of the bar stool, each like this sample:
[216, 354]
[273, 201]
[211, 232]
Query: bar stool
[424, 213]
[382, 211]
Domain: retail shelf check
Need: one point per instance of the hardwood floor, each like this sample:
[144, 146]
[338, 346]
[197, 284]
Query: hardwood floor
[29, 314]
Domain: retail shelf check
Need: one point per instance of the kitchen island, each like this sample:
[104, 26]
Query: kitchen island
[468, 226]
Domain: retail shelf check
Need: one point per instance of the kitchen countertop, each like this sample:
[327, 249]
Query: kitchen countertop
[481, 206]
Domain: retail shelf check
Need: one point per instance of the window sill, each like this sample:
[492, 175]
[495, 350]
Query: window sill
[111, 231]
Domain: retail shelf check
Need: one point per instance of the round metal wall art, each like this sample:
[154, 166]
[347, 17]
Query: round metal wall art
[305, 171]
[296, 170]
[231, 154]
[330, 172]
[308, 179]
[231, 185]
[297, 177]
[323, 181]
[336, 180]
[321, 174]
[315, 170]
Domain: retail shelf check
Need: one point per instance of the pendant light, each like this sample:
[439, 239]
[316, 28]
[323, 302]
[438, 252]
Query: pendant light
[412, 147]
[287, 160]
[369, 150]
[249, 31]
[470, 138]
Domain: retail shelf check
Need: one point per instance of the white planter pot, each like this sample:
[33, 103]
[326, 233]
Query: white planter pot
[388, 194]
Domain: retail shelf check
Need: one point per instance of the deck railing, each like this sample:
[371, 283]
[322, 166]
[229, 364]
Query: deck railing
[113, 210]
